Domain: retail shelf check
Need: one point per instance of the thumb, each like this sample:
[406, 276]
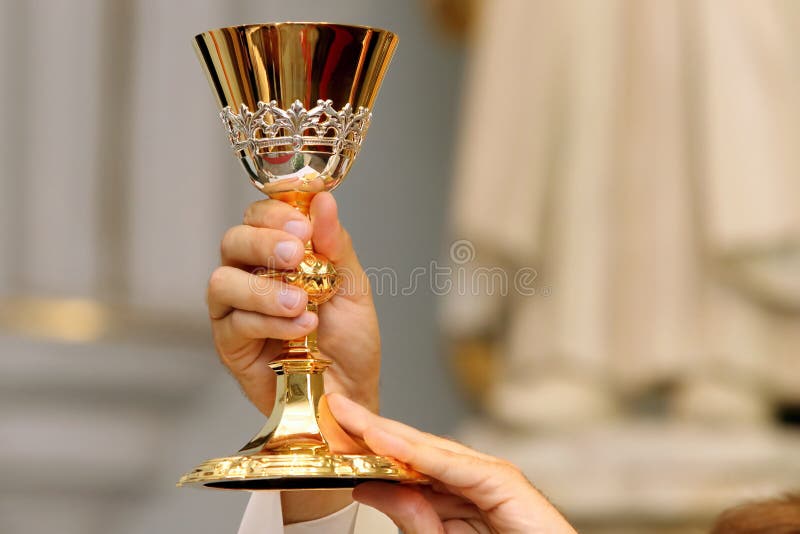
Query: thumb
[332, 241]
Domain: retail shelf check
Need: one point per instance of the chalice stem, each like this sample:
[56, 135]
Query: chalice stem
[293, 423]
[316, 275]
[304, 348]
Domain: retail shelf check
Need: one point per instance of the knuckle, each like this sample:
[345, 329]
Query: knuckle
[238, 322]
[217, 280]
[257, 213]
[509, 470]
[249, 213]
[257, 249]
[227, 241]
[416, 507]
[415, 504]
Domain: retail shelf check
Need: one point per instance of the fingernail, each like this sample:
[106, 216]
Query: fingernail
[297, 228]
[286, 250]
[306, 319]
[290, 298]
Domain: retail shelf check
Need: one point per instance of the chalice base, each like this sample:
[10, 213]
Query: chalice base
[290, 452]
[293, 471]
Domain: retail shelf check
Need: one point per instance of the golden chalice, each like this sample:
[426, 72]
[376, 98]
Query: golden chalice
[296, 102]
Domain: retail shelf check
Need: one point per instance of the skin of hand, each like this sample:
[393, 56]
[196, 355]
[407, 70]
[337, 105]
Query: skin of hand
[470, 492]
[251, 315]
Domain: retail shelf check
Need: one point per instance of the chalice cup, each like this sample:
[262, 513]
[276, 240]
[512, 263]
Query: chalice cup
[296, 102]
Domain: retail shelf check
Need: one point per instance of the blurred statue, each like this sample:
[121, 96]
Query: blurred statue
[642, 157]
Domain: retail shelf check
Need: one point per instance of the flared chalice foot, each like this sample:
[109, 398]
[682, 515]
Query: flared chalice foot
[291, 451]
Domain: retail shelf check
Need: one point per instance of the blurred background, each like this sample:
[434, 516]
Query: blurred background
[628, 168]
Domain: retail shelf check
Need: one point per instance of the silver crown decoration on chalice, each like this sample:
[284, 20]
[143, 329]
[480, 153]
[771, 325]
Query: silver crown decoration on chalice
[270, 126]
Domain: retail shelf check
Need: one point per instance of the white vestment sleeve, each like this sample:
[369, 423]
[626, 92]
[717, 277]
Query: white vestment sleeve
[263, 516]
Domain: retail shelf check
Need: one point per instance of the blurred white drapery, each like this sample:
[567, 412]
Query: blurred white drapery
[642, 156]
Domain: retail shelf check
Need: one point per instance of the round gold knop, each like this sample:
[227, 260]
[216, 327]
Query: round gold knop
[317, 276]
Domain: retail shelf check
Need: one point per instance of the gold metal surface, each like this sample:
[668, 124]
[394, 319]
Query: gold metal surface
[292, 426]
[295, 98]
[297, 471]
[290, 452]
[317, 276]
[295, 102]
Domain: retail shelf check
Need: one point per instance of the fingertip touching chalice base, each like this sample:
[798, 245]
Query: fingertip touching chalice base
[295, 100]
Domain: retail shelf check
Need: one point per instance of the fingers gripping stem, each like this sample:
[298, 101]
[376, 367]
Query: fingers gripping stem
[316, 275]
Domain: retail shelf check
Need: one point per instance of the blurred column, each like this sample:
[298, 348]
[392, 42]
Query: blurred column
[184, 172]
[107, 238]
[58, 150]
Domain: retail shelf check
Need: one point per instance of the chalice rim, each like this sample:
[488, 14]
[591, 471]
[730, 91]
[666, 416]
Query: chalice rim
[297, 23]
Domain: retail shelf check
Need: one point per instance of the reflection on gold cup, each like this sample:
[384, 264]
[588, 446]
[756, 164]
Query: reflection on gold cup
[295, 100]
